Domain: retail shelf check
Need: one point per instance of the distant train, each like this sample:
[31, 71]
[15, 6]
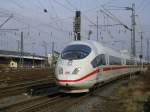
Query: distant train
[84, 64]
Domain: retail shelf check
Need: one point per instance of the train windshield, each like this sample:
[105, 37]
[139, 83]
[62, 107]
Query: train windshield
[74, 52]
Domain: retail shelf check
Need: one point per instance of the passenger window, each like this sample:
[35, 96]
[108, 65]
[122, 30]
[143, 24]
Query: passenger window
[130, 62]
[114, 60]
[98, 61]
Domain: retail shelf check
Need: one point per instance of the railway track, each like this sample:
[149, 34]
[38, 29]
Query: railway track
[55, 103]
[15, 76]
[47, 103]
[39, 103]
[22, 87]
[23, 105]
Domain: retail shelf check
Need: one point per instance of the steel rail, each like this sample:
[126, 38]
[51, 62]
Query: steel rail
[43, 104]
[22, 88]
[61, 102]
[19, 106]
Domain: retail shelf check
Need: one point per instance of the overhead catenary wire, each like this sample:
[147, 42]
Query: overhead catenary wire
[106, 24]
[71, 5]
[23, 18]
[107, 2]
[1, 25]
[141, 4]
[44, 9]
[113, 17]
[40, 4]
[62, 5]
[82, 12]
[140, 25]
[20, 20]
[68, 8]
[144, 6]
[73, 9]
[16, 3]
[83, 15]
[53, 8]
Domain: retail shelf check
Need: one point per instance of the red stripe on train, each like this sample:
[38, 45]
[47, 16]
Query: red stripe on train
[88, 75]
[94, 72]
[114, 68]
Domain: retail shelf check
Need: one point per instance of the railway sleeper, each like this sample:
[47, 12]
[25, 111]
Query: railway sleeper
[41, 89]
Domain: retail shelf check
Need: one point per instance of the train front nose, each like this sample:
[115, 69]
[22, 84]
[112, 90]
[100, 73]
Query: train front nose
[72, 80]
[69, 64]
[68, 76]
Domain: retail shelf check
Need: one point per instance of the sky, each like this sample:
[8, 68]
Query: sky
[40, 28]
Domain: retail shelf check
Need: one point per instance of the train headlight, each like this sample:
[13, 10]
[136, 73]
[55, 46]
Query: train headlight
[60, 70]
[76, 70]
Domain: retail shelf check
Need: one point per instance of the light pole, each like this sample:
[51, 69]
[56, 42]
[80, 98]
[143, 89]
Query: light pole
[45, 48]
[97, 25]
[132, 29]
[53, 47]
[21, 50]
[18, 45]
[141, 55]
[133, 47]
[148, 50]
[33, 64]
[89, 34]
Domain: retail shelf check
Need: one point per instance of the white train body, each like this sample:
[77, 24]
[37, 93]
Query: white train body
[82, 64]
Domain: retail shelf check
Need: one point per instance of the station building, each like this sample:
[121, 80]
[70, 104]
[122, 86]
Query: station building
[15, 59]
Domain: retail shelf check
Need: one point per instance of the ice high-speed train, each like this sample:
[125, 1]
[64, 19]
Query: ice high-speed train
[83, 64]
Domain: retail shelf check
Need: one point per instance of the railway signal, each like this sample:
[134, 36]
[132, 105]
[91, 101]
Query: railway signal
[77, 26]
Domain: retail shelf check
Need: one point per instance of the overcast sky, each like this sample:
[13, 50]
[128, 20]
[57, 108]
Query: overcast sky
[41, 27]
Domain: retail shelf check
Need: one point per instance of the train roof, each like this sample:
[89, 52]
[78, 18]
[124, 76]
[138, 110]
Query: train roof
[102, 48]
[106, 50]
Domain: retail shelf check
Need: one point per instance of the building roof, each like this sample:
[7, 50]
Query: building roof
[15, 54]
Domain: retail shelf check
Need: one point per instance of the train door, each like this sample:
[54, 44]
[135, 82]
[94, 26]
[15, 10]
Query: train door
[101, 64]
[107, 69]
